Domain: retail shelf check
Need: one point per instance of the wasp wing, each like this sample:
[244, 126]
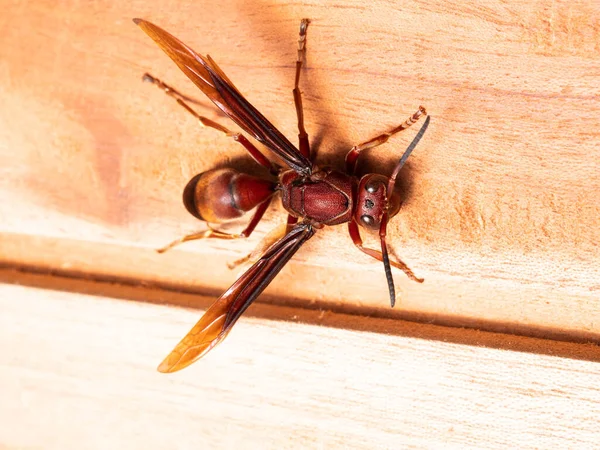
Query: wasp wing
[218, 320]
[211, 80]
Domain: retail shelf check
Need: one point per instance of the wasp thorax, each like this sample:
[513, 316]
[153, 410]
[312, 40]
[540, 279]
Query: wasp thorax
[220, 195]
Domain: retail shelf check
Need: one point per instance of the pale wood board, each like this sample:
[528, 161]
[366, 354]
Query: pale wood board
[502, 215]
[77, 371]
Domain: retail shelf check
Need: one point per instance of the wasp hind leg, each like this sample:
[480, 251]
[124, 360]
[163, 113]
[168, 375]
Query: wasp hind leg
[183, 101]
[266, 242]
[218, 234]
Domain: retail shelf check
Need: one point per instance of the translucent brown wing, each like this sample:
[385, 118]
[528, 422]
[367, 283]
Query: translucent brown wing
[211, 80]
[217, 321]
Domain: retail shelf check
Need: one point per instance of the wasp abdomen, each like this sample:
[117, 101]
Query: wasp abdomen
[220, 195]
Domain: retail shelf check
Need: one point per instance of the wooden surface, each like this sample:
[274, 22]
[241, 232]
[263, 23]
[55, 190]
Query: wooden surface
[77, 372]
[501, 216]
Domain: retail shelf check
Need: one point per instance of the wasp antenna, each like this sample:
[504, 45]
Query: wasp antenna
[407, 153]
[386, 259]
[388, 272]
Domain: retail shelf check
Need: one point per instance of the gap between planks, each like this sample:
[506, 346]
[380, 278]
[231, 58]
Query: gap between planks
[313, 316]
[179, 272]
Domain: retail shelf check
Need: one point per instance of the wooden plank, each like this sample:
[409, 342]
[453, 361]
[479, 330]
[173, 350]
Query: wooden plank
[179, 272]
[501, 214]
[78, 372]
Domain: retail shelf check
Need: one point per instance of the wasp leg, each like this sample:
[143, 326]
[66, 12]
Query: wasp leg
[238, 137]
[266, 242]
[353, 154]
[355, 235]
[302, 135]
[218, 234]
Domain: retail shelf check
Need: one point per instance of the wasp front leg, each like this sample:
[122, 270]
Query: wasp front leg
[399, 264]
[353, 154]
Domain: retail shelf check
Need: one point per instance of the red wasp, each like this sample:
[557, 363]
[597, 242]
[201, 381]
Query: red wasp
[316, 196]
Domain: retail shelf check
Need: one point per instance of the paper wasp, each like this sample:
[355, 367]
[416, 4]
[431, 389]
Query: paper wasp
[313, 196]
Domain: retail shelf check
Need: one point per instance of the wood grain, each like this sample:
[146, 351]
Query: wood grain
[77, 372]
[501, 214]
